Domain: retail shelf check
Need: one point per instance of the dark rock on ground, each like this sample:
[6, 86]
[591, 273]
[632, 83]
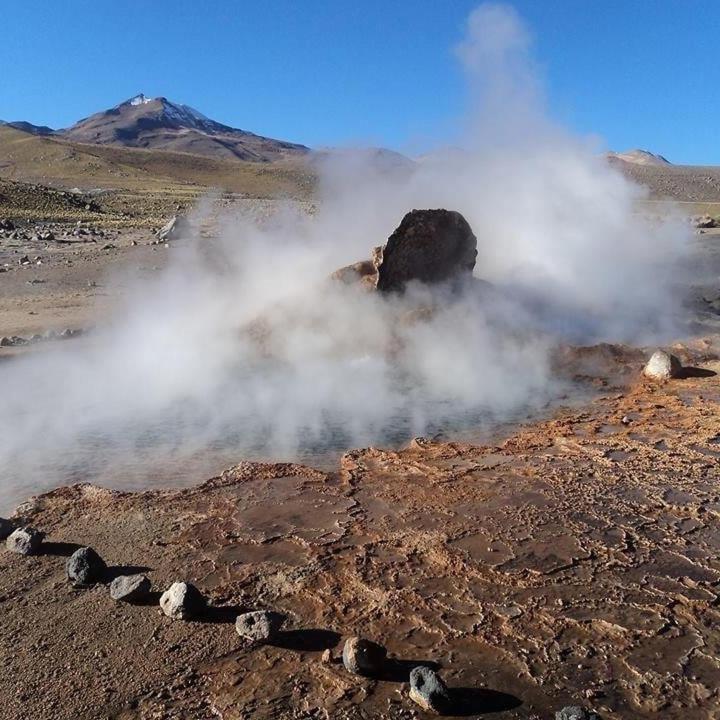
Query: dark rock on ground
[363, 657]
[259, 626]
[130, 587]
[431, 246]
[85, 567]
[25, 541]
[6, 527]
[575, 712]
[182, 601]
[428, 690]
[704, 221]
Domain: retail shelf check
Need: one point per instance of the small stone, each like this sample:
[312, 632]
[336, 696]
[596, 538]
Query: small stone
[662, 366]
[130, 587]
[625, 420]
[6, 527]
[575, 712]
[182, 601]
[176, 226]
[428, 690]
[25, 541]
[327, 657]
[259, 626]
[363, 657]
[510, 611]
[85, 567]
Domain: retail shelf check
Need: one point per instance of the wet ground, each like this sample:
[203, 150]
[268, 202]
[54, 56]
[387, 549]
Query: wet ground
[574, 562]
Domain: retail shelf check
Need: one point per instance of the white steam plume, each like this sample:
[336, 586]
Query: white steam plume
[177, 387]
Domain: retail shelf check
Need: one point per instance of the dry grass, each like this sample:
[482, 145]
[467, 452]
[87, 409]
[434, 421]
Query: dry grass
[139, 186]
[30, 158]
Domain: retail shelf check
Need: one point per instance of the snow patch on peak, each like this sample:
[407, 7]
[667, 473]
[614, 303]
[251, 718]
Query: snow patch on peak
[186, 116]
[140, 100]
[175, 114]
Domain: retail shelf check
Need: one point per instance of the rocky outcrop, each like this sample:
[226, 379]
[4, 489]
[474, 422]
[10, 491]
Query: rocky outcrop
[429, 246]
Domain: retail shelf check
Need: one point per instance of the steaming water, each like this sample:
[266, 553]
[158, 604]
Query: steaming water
[172, 393]
[174, 448]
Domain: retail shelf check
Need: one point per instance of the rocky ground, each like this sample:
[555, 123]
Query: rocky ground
[574, 562]
[60, 275]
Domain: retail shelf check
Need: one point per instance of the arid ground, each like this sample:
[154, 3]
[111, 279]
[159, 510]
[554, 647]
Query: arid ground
[572, 561]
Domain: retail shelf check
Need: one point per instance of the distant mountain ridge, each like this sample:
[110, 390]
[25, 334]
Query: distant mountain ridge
[29, 127]
[160, 124]
[639, 157]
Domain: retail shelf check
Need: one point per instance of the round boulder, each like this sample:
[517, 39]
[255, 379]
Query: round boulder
[429, 246]
[363, 657]
[25, 541]
[662, 366]
[129, 588]
[428, 690]
[182, 601]
[259, 626]
[85, 567]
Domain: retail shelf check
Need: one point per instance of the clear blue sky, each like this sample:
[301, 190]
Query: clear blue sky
[639, 73]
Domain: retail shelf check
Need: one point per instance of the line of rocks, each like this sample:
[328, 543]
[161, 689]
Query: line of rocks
[183, 601]
[18, 341]
[43, 233]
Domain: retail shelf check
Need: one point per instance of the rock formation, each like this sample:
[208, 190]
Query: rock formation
[429, 246]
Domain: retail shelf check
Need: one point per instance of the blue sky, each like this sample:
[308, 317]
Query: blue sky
[639, 73]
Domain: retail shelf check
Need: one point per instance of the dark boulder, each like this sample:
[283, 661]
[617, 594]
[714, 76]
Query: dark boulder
[429, 246]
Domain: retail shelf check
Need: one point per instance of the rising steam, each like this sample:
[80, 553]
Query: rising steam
[178, 385]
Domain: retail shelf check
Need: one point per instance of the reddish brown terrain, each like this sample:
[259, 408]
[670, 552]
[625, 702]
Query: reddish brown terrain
[573, 562]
